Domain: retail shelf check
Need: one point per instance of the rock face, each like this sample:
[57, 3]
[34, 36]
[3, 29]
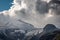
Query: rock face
[49, 33]
[55, 35]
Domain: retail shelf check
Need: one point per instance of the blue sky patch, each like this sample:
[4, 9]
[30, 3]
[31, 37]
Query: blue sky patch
[5, 4]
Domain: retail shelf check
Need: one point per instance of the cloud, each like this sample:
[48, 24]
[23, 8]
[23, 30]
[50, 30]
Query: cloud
[3, 20]
[55, 6]
[31, 12]
[9, 18]
[42, 7]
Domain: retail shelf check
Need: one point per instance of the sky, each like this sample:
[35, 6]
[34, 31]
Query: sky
[5, 4]
[35, 12]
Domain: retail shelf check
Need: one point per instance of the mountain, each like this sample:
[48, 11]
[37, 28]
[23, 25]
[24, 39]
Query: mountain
[55, 35]
[12, 34]
[49, 28]
[18, 34]
[29, 35]
[49, 32]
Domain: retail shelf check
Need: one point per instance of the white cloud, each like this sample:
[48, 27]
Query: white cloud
[25, 10]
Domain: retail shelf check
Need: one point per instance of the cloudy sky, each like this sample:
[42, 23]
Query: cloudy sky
[35, 12]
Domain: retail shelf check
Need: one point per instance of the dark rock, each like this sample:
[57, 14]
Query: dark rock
[49, 28]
